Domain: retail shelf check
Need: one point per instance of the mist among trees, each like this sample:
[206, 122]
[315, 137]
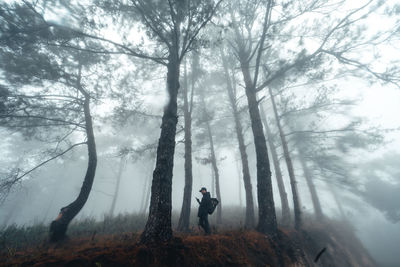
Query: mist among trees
[114, 113]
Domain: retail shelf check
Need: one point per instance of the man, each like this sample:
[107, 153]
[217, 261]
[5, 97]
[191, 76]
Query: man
[205, 205]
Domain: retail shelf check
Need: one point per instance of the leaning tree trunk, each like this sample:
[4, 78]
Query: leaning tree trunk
[119, 175]
[184, 219]
[337, 201]
[250, 218]
[278, 172]
[266, 208]
[158, 227]
[216, 173]
[311, 186]
[293, 182]
[58, 227]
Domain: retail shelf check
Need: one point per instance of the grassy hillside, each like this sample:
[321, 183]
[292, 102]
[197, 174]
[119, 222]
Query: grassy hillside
[114, 241]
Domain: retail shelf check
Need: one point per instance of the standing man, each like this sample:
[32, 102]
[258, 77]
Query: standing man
[205, 205]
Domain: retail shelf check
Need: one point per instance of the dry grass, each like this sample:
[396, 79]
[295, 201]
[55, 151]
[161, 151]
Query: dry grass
[229, 245]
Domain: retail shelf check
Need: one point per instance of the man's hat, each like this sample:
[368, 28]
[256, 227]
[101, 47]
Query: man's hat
[203, 188]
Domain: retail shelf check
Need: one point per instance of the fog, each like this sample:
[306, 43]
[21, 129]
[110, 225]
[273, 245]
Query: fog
[336, 91]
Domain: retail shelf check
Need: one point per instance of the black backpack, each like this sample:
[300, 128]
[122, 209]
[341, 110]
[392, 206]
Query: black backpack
[214, 204]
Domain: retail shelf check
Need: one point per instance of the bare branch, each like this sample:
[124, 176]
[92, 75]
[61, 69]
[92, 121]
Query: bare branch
[6, 185]
[42, 118]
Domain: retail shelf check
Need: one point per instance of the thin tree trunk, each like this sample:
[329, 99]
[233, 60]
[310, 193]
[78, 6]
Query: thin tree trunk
[216, 173]
[338, 202]
[250, 218]
[214, 164]
[239, 183]
[266, 208]
[146, 196]
[58, 227]
[158, 227]
[278, 172]
[293, 182]
[184, 219]
[146, 191]
[212, 180]
[119, 175]
[310, 183]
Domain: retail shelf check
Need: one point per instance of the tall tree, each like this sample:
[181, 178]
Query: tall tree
[311, 186]
[121, 167]
[278, 171]
[184, 219]
[216, 172]
[147, 186]
[58, 227]
[245, 52]
[307, 136]
[232, 95]
[173, 26]
[32, 62]
[207, 117]
[176, 25]
[289, 164]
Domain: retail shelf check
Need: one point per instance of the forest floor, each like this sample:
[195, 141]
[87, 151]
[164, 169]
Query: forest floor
[238, 247]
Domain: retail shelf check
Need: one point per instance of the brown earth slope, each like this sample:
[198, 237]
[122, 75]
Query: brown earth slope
[230, 248]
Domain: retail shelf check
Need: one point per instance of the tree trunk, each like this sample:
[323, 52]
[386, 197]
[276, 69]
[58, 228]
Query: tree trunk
[184, 219]
[250, 218]
[146, 191]
[266, 208]
[337, 201]
[58, 227]
[239, 183]
[212, 180]
[293, 182]
[216, 173]
[158, 226]
[146, 196]
[119, 175]
[310, 183]
[278, 172]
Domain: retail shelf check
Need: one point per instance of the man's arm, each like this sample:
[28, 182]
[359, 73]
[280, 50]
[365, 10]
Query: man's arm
[198, 200]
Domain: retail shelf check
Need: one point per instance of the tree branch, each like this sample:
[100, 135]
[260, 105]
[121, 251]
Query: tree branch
[7, 184]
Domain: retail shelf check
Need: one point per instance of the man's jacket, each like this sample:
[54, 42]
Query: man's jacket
[205, 205]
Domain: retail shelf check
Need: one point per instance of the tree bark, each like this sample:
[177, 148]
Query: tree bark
[158, 226]
[58, 227]
[278, 172]
[119, 175]
[250, 218]
[184, 219]
[311, 186]
[266, 208]
[293, 182]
